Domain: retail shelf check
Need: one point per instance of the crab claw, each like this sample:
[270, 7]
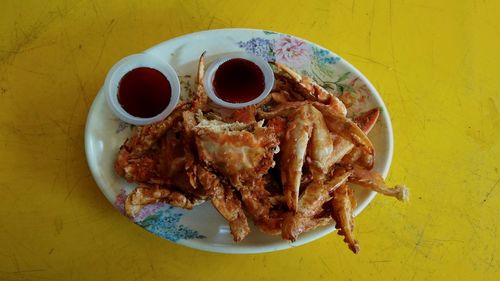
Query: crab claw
[320, 148]
[344, 150]
[227, 204]
[200, 96]
[344, 127]
[367, 120]
[310, 205]
[311, 91]
[297, 136]
[343, 204]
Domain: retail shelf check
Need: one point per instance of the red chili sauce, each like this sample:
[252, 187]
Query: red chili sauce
[238, 81]
[144, 92]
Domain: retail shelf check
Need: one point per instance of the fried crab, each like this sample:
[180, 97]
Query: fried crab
[288, 162]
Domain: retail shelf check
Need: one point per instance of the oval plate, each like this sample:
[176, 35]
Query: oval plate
[203, 228]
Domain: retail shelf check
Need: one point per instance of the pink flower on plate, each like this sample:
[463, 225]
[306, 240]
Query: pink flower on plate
[291, 51]
[149, 210]
[120, 200]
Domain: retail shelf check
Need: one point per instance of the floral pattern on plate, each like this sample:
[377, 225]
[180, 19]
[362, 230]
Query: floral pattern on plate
[310, 60]
[160, 219]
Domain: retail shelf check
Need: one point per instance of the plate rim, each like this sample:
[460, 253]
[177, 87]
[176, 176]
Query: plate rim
[240, 249]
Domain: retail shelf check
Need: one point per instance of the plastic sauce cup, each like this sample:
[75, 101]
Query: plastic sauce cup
[262, 64]
[127, 64]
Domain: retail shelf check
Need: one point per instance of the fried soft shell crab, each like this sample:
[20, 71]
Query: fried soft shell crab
[287, 162]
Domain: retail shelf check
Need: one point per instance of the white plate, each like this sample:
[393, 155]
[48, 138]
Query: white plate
[203, 228]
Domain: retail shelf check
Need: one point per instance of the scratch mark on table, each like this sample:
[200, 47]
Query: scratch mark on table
[29, 36]
[58, 125]
[16, 262]
[19, 44]
[82, 88]
[488, 194]
[22, 271]
[471, 222]
[105, 35]
[371, 60]
[352, 8]
[69, 145]
[419, 243]
[477, 136]
[380, 261]
[95, 9]
[370, 29]
[326, 265]
[211, 21]
[396, 77]
[491, 263]
[58, 224]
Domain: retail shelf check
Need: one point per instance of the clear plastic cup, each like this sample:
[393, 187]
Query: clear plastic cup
[128, 64]
[264, 66]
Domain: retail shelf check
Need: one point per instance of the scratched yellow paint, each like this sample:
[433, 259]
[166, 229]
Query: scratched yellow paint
[435, 64]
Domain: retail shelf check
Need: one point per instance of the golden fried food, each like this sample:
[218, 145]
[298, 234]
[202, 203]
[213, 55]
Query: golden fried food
[343, 204]
[241, 152]
[226, 202]
[145, 195]
[374, 181]
[287, 163]
[297, 136]
[310, 90]
[310, 205]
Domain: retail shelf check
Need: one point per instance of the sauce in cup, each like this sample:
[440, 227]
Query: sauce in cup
[144, 92]
[142, 89]
[238, 80]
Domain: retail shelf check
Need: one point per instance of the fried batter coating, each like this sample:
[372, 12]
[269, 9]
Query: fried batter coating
[310, 205]
[144, 195]
[374, 181]
[241, 152]
[226, 202]
[294, 149]
[343, 204]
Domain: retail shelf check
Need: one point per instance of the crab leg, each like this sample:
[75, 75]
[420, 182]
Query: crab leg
[344, 127]
[342, 147]
[258, 204]
[144, 137]
[293, 226]
[343, 204]
[200, 98]
[312, 223]
[189, 122]
[281, 96]
[312, 91]
[294, 152]
[271, 224]
[227, 204]
[320, 148]
[140, 169]
[310, 204]
[134, 162]
[281, 110]
[145, 195]
[374, 181]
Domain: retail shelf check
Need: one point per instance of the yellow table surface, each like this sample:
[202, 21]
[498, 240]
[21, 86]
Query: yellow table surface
[435, 64]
